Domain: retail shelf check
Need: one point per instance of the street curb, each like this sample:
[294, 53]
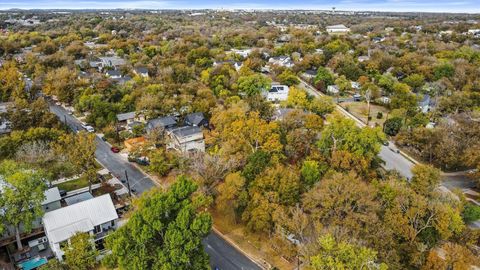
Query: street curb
[356, 119]
[265, 265]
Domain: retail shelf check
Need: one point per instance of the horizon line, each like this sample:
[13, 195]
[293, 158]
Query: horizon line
[238, 9]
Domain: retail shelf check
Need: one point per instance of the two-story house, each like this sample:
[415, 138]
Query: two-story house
[95, 216]
[186, 139]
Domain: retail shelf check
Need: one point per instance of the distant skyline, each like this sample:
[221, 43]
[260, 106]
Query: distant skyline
[467, 6]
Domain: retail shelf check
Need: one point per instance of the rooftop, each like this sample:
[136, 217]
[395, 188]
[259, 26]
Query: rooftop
[125, 116]
[63, 223]
[186, 131]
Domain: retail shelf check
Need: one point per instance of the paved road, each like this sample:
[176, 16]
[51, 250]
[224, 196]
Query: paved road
[393, 160]
[222, 254]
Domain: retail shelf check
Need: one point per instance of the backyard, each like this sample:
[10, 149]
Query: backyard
[360, 110]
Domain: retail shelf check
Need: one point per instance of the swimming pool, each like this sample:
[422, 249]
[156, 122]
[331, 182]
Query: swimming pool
[33, 263]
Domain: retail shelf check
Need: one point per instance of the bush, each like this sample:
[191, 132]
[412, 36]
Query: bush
[471, 213]
[393, 126]
[379, 115]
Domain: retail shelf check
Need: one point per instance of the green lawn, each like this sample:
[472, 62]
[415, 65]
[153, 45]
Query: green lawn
[75, 184]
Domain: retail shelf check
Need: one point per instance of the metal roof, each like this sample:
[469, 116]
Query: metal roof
[125, 116]
[63, 223]
[78, 198]
[51, 195]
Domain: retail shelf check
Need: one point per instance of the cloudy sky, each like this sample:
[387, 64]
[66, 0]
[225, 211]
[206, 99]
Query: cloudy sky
[470, 6]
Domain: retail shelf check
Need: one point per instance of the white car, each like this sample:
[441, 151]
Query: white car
[89, 128]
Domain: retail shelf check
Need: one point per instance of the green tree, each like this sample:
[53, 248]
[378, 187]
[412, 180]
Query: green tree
[53, 264]
[470, 212]
[415, 80]
[443, 70]
[21, 197]
[79, 149]
[310, 172]
[11, 82]
[164, 232]
[342, 255]
[289, 78]
[425, 178]
[81, 254]
[342, 134]
[323, 78]
[393, 125]
[253, 84]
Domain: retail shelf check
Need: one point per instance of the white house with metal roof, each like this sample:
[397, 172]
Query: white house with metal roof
[95, 216]
[277, 92]
[338, 28]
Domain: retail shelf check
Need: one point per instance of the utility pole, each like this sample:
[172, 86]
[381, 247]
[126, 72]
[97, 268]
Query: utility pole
[128, 184]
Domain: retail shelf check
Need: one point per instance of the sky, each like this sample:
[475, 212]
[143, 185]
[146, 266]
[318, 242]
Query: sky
[468, 6]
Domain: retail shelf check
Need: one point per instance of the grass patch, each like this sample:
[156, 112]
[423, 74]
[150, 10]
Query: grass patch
[360, 110]
[257, 245]
[75, 184]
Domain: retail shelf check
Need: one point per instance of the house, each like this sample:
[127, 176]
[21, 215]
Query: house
[126, 117]
[112, 61]
[333, 89]
[243, 53]
[280, 113]
[425, 104]
[5, 126]
[196, 120]
[337, 29]
[283, 61]
[133, 143]
[141, 71]
[52, 199]
[378, 39]
[385, 100]
[113, 74]
[50, 203]
[310, 74]
[363, 58]
[277, 92]
[236, 65]
[95, 216]
[357, 97]
[162, 123]
[355, 85]
[84, 196]
[186, 139]
[474, 32]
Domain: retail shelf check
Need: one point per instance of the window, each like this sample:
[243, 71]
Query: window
[97, 229]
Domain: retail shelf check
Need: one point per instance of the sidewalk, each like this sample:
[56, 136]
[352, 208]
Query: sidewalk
[260, 262]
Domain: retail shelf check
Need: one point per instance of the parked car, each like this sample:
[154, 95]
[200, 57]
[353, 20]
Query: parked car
[115, 149]
[89, 129]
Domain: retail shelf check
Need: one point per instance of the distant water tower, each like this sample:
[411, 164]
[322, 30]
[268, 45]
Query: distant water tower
[333, 9]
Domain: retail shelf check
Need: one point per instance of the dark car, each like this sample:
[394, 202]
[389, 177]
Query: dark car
[115, 149]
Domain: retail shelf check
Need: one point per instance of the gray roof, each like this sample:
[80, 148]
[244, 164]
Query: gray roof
[51, 195]
[143, 70]
[195, 118]
[162, 122]
[78, 198]
[113, 73]
[186, 131]
[125, 116]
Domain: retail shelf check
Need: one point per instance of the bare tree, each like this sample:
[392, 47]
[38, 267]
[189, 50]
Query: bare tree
[212, 169]
[35, 152]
